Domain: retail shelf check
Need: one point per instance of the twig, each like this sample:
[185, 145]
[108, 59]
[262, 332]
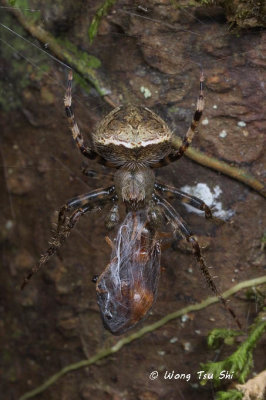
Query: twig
[221, 166]
[138, 334]
[101, 12]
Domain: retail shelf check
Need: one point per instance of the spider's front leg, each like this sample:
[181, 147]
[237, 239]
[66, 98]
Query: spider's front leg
[86, 150]
[180, 226]
[79, 205]
[77, 136]
[178, 152]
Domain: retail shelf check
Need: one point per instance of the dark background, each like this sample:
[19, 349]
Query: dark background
[55, 321]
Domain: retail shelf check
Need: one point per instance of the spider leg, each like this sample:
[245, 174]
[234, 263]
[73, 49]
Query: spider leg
[80, 205]
[178, 224]
[184, 197]
[94, 198]
[87, 151]
[87, 171]
[178, 152]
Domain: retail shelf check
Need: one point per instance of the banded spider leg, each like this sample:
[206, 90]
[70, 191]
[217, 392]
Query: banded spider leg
[79, 206]
[178, 225]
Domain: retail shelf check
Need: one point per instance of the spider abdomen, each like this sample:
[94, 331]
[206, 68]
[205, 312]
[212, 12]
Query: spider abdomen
[135, 185]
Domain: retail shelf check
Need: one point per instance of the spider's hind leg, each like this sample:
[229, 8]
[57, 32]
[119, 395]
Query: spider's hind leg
[186, 198]
[193, 201]
[61, 235]
[79, 206]
[94, 199]
[180, 226]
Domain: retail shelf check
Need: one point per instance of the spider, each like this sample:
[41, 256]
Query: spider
[134, 141]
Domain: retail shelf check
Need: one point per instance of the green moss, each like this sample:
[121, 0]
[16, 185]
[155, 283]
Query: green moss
[26, 8]
[84, 63]
[101, 12]
[84, 59]
[263, 241]
[216, 336]
[257, 295]
[82, 83]
[229, 395]
[242, 13]
[241, 361]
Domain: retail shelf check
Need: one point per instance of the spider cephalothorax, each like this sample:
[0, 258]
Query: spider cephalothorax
[134, 141]
[132, 134]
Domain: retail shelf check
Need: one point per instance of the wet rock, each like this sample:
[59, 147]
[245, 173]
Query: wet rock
[218, 47]
[43, 165]
[224, 104]
[20, 182]
[104, 393]
[165, 54]
[47, 96]
[245, 143]
[57, 16]
[23, 261]
[176, 89]
[148, 395]
[245, 14]
[31, 117]
[257, 55]
[142, 86]
[67, 324]
[59, 275]
[187, 346]
[220, 81]
[7, 229]
[29, 297]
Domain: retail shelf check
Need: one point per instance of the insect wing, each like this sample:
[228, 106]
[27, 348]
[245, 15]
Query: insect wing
[127, 288]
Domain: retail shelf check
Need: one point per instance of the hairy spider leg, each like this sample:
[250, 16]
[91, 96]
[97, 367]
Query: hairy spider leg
[77, 136]
[178, 152]
[172, 192]
[80, 205]
[94, 197]
[178, 224]
[99, 175]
